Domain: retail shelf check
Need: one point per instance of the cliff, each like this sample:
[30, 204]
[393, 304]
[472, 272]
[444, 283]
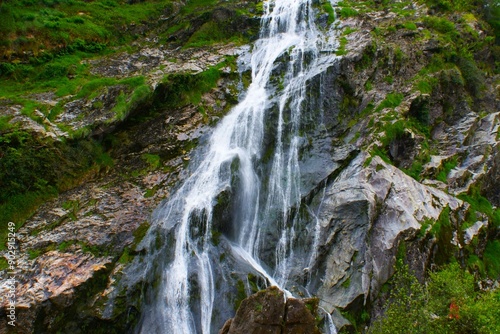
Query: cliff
[402, 175]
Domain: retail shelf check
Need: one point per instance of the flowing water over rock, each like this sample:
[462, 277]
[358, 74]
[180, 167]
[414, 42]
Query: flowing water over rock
[247, 185]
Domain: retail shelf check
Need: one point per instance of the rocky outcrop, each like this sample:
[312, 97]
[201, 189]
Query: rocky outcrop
[268, 311]
[72, 251]
[365, 214]
[378, 208]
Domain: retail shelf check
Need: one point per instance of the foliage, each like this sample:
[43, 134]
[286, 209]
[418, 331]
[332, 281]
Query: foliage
[474, 80]
[153, 160]
[182, 89]
[480, 203]
[69, 25]
[34, 169]
[448, 303]
[447, 167]
[327, 7]
[346, 12]
[212, 32]
[342, 46]
[492, 258]
[393, 131]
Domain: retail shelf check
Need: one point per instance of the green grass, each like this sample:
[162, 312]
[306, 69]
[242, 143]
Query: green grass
[413, 307]
[479, 203]
[327, 8]
[415, 170]
[410, 26]
[183, 88]
[342, 46]
[213, 32]
[393, 131]
[346, 12]
[426, 85]
[492, 258]
[153, 160]
[442, 222]
[37, 26]
[392, 100]
[447, 167]
[197, 5]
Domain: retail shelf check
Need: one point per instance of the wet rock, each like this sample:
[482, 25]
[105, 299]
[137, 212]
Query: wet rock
[263, 312]
[364, 215]
[299, 318]
[268, 311]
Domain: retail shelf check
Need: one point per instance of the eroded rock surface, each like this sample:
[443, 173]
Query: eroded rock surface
[268, 311]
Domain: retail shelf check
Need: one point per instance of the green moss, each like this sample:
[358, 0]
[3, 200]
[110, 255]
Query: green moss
[34, 169]
[368, 161]
[415, 170]
[410, 26]
[139, 234]
[426, 86]
[424, 227]
[393, 131]
[475, 264]
[441, 25]
[126, 257]
[4, 264]
[392, 100]
[153, 160]
[491, 258]
[342, 46]
[183, 89]
[377, 151]
[480, 203]
[327, 7]
[346, 12]
[240, 294]
[442, 223]
[446, 168]
[65, 245]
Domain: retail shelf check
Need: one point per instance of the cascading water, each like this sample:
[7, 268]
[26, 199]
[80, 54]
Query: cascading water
[186, 288]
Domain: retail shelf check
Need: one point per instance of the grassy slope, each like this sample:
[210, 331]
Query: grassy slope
[42, 45]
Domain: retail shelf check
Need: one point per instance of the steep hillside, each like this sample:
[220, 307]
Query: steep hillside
[106, 106]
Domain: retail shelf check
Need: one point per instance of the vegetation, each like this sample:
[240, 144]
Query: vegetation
[34, 169]
[35, 28]
[43, 46]
[448, 303]
[478, 203]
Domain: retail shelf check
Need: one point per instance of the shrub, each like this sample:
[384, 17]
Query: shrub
[474, 80]
[492, 258]
[448, 303]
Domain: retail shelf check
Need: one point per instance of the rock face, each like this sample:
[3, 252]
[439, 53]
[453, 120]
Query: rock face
[364, 215]
[269, 312]
[362, 209]
[74, 248]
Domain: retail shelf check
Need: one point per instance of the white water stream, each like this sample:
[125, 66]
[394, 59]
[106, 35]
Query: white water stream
[289, 36]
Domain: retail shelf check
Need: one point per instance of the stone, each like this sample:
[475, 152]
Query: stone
[268, 311]
[261, 313]
[364, 215]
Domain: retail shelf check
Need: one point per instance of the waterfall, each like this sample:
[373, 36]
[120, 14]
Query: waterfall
[187, 262]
